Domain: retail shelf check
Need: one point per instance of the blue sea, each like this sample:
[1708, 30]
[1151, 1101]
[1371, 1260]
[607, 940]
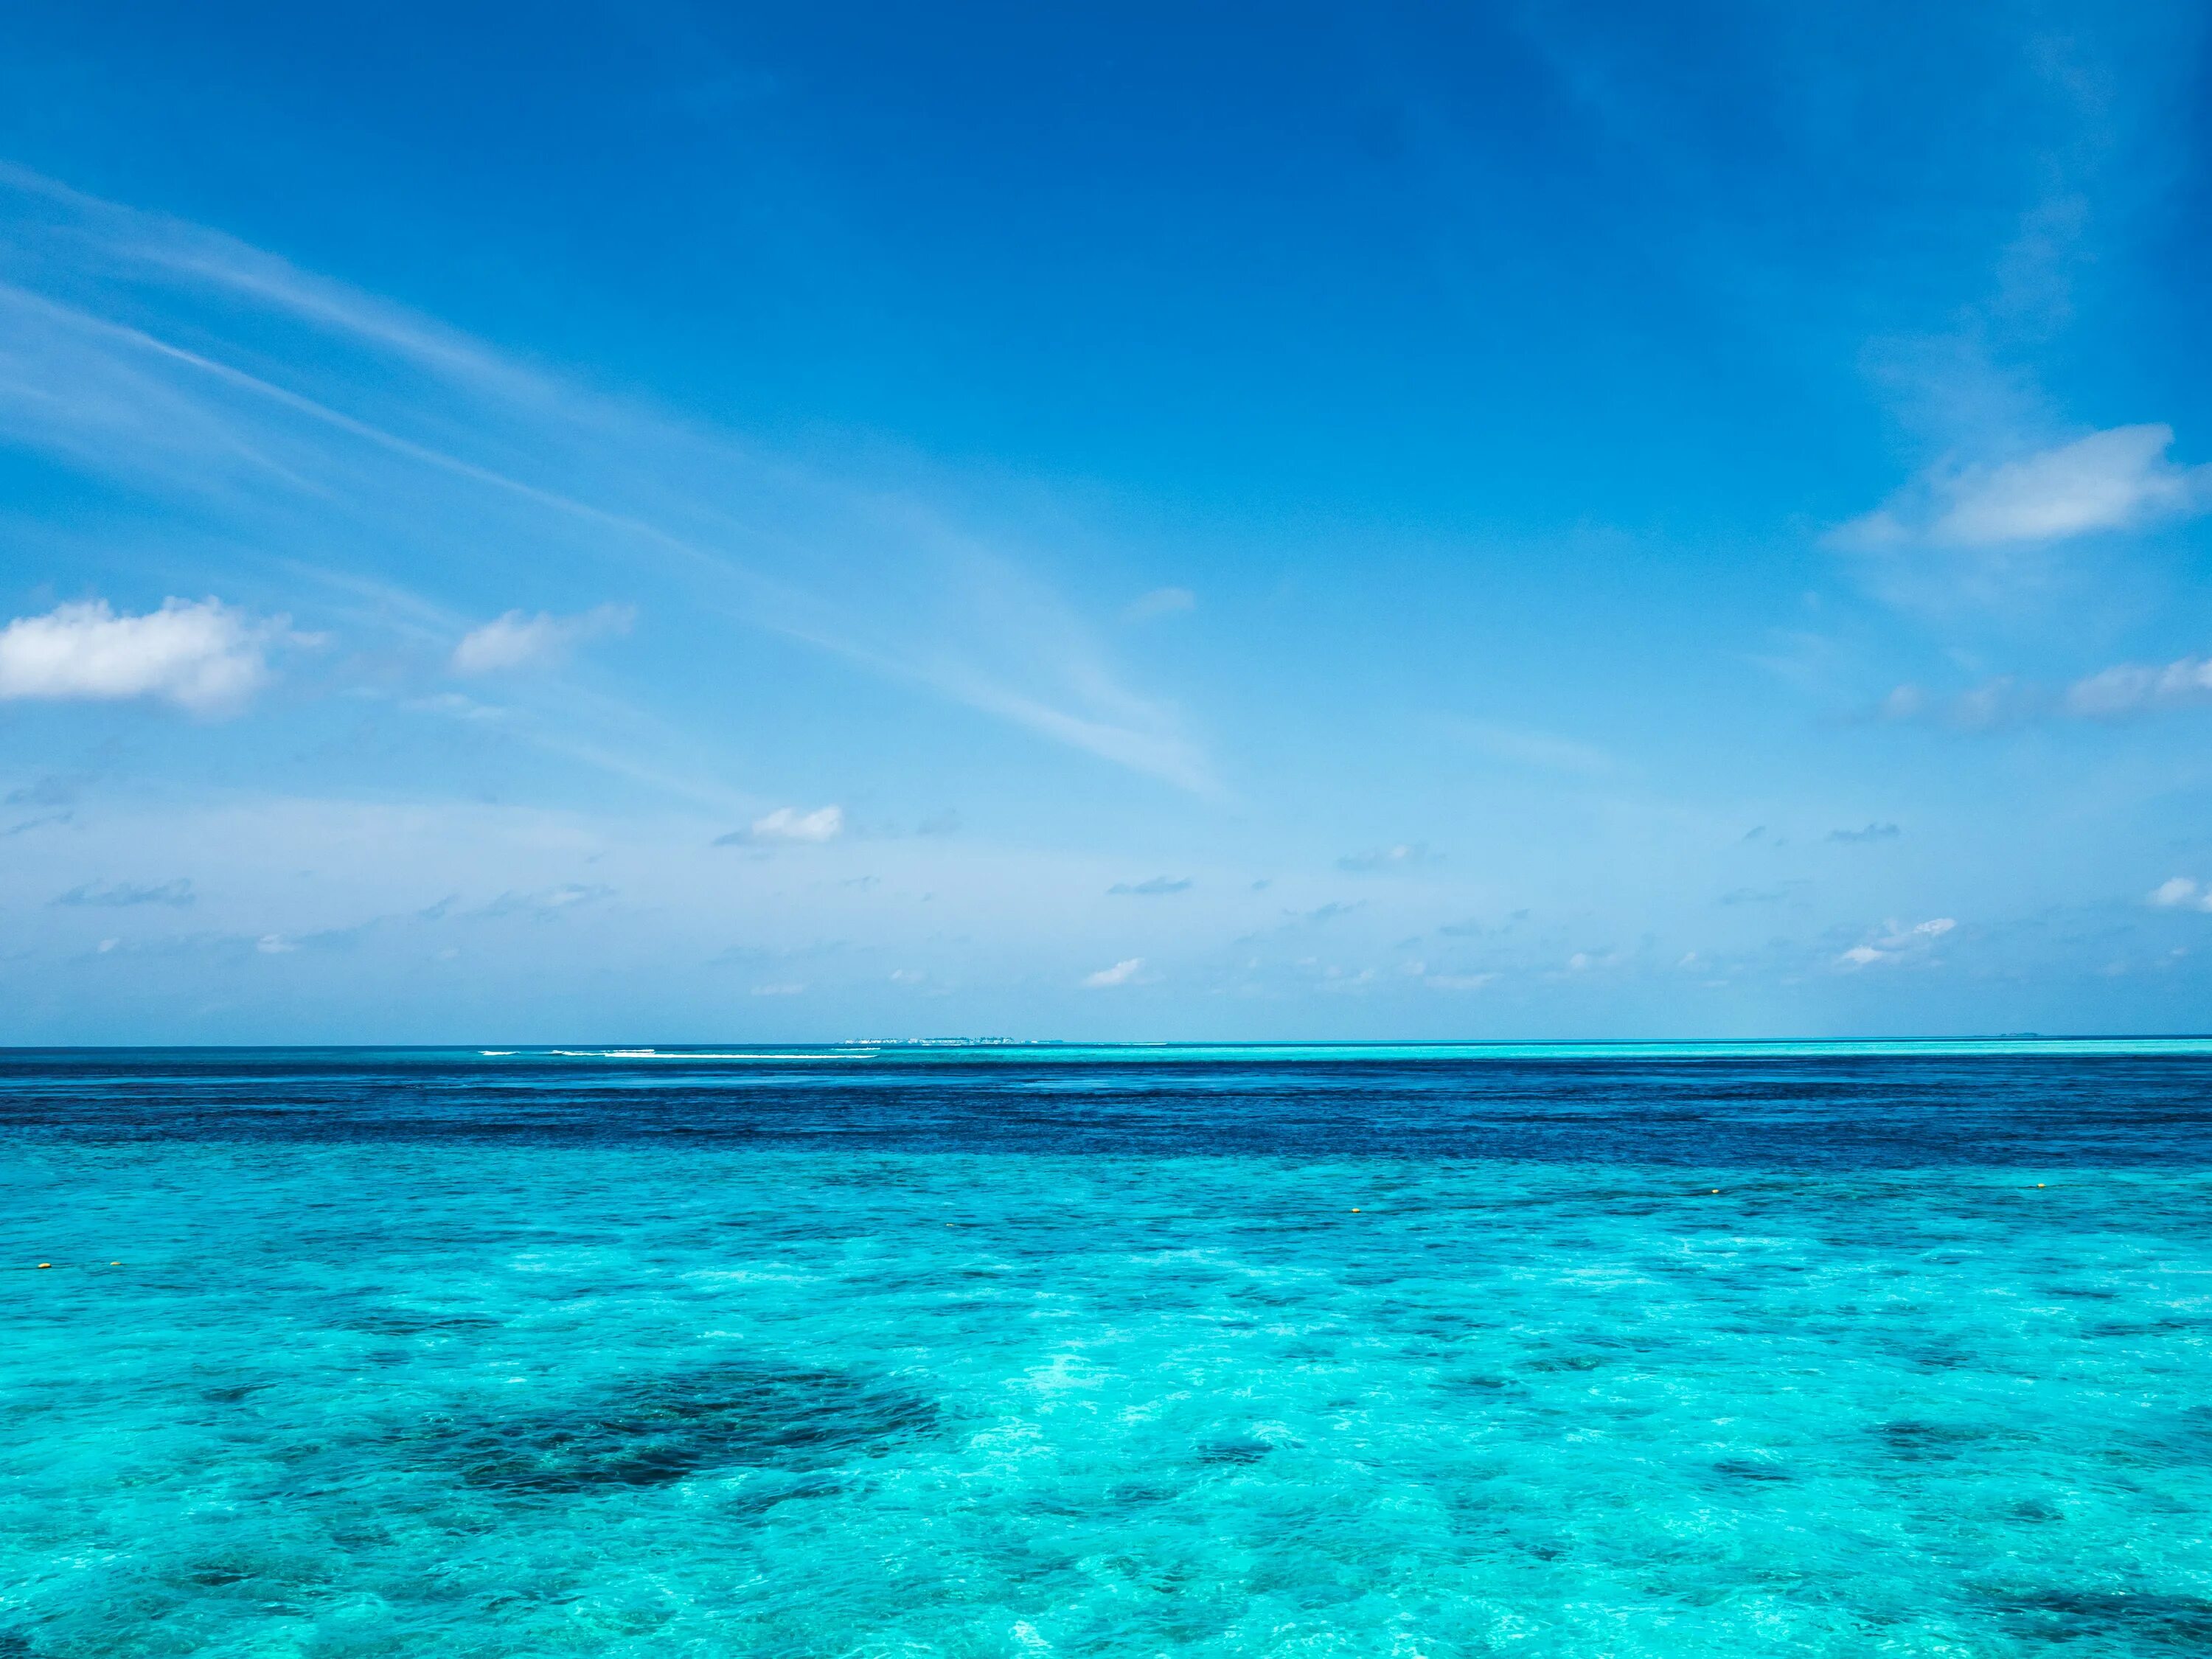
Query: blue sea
[977, 1349]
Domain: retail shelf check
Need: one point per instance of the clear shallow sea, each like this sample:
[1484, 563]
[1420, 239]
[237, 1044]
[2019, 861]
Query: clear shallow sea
[1017, 1351]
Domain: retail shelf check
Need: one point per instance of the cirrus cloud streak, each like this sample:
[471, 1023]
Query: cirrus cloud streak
[517, 640]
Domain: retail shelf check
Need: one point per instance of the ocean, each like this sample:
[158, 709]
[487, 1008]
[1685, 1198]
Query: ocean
[969, 1350]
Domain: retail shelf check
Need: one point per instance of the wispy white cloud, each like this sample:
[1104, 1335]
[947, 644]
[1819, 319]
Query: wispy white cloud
[788, 823]
[1124, 972]
[202, 655]
[2120, 479]
[396, 437]
[518, 641]
[2012, 483]
[1896, 940]
[1153, 887]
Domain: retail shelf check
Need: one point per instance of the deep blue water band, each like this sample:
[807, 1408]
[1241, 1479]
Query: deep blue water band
[1794, 1106]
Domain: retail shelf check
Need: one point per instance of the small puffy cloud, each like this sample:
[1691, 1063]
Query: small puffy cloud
[787, 989]
[2181, 893]
[2141, 688]
[1122, 973]
[788, 823]
[1405, 857]
[1156, 887]
[2120, 479]
[177, 894]
[1161, 601]
[1897, 939]
[516, 641]
[1872, 832]
[202, 655]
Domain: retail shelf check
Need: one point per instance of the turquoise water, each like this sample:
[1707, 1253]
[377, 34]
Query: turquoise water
[1013, 1353]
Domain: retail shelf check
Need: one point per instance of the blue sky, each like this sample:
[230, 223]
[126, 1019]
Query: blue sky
[671, 522]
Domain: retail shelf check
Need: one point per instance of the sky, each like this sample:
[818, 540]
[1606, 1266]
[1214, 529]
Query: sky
[669, 522]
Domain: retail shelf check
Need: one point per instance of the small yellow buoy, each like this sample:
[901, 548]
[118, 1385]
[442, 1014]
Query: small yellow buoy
[46, 1264]
[1713, 1189]
[2039, 1183]
[1355, 1209]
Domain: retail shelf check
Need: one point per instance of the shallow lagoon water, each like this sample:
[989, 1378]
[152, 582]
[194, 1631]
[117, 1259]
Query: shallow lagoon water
[1011, 1352]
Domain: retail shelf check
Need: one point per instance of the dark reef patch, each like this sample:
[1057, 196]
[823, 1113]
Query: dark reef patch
[1236, 1450]
[660, 1430]
[1751, 1468]
[1916, 1442]
[2143, 1622]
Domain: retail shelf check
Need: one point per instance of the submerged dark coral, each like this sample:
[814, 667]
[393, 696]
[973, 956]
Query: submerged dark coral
[2144, 1621]
[660, 1430]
